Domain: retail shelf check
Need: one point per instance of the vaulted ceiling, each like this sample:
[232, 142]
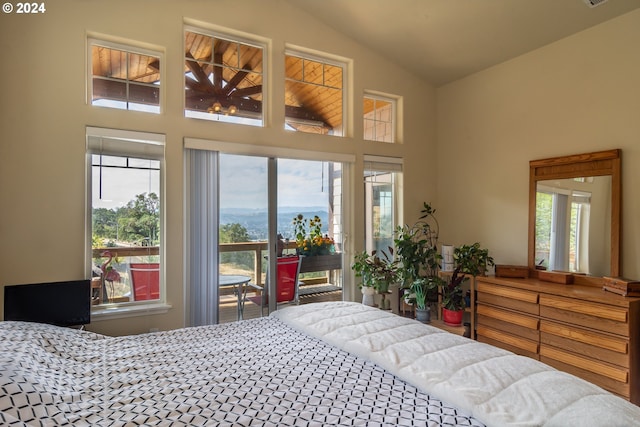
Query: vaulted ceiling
[445, 40]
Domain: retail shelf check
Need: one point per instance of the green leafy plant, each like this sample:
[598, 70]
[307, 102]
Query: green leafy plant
[417, 254]
[452, 294]
[420, 291]
[376, 271]
[472, 259]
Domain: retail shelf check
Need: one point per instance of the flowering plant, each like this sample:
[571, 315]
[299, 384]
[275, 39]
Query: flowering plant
[311, 242]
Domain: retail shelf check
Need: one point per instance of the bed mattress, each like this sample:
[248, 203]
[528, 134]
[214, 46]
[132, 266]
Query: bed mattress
[258, 372]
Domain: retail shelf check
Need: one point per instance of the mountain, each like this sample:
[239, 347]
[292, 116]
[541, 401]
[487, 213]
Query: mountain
[255, 220]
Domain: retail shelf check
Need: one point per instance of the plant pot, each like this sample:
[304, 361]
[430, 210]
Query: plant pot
[423, 315]
[452, 318]
[367, 296]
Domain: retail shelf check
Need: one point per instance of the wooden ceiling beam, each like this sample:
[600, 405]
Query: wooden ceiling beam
[246, 91]
[199, 73]
[236, 79]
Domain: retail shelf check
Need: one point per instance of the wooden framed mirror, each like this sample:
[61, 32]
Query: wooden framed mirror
[575, 226]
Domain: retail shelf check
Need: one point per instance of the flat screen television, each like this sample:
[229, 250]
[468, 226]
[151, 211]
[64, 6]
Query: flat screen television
[57, 303]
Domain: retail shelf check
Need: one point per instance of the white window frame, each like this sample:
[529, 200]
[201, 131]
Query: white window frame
[104, 41]
[234, 37]
[383, 164]
[393, 101]
[335, 61]
[116, 142]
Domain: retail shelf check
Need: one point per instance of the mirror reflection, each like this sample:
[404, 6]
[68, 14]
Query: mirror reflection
[573, 225]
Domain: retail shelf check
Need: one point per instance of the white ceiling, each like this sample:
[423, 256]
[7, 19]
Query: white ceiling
[444, 40]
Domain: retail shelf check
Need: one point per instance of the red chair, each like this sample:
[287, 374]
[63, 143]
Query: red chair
[145, 281]
[286, 285]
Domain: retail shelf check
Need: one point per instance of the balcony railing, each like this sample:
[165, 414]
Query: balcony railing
[258, 250]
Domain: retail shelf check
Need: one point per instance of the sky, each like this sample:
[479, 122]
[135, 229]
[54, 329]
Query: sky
[243, 184]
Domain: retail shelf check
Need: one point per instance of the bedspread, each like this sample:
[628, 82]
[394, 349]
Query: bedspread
[256, 372]
[498, 387]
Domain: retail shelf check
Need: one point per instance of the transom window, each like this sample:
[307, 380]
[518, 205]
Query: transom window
[379, 118]
[223, 79]
[124, 77]
[314, 95]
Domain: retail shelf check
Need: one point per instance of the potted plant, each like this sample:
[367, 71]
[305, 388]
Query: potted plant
[472, 259]
[453, 303]
[418, 258]
[378, 272]
[469, 260]
[419, 294]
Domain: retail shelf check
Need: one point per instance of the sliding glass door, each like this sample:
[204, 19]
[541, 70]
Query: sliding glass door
[296, 205]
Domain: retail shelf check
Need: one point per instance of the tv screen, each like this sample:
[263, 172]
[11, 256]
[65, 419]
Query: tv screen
[56, 303]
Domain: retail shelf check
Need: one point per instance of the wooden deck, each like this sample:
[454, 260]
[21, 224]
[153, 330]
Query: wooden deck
[228, 305]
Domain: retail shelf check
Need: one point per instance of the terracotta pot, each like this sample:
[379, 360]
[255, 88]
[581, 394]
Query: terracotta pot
[452, 318]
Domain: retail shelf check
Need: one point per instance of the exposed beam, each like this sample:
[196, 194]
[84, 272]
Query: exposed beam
[194, 100]
[246, 91]
[199, 73]
[236, 79]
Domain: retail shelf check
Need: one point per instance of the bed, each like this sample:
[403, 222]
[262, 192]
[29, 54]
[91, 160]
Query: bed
[334, 363]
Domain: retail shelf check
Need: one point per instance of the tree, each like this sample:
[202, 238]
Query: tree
[139, 221]
[235, 233]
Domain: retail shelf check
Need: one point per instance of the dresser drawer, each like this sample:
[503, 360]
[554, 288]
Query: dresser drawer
[512, 298]
[595, 345]
[508, 341]
[607, 376]
[514, 323]
[587, 314]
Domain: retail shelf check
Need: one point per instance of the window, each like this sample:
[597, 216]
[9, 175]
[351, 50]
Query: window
[382, 185]
[124, 77]
[223, 79]
[379, 118]
[314, 95]
[125, 203]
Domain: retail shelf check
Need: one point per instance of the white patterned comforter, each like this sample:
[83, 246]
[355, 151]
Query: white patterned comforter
[253, 373]
[495, 386]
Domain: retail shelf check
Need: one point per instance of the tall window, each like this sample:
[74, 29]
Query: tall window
[223, 79]
[382, 186]
[125, 193]
[379, 118]
[124, 77]
[314, 95]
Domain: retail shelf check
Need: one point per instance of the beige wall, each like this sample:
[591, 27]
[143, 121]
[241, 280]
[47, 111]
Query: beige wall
[577, 95]
[44, 114]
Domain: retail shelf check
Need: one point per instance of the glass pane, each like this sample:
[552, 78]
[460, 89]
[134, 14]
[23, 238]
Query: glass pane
[225, 86]
[293, 68]
[380, 212]
[125, 230]
[310, 224]
[333, 76]
[313, 72]
[243, 231]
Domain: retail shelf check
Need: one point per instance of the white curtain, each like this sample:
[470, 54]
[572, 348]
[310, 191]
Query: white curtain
[202, 237]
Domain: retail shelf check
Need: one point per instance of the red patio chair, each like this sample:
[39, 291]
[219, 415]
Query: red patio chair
[145, 281]
[286, 285]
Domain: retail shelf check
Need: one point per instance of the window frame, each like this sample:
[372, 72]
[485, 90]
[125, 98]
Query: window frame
[393, 101]
[392, 165]
[129, 48]
[115, 142]
[325, 59]
[233, 37]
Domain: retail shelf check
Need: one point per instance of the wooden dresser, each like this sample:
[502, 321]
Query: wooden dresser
[579, 329]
